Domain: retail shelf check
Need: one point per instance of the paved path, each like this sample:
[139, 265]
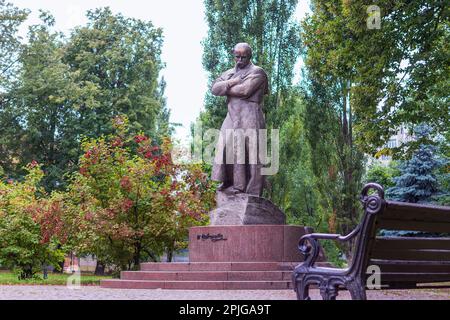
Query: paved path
[97, 293]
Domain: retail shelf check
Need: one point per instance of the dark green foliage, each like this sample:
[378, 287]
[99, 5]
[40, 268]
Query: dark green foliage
[24, 244]
[118, 59]
[337, 163]
[364, 84]
[443, 173]
[382, 174]
[295, 187]
[395, 75]
[10, 19]
[44, 99]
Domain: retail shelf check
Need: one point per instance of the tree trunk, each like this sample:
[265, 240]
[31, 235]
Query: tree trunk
[347, 161]
[99, 268]
[26, 272]
[151, 255]
[137, 255]
[169, 254]
[61, 266]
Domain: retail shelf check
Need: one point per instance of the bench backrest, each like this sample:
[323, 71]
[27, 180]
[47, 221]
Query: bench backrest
[408, 260]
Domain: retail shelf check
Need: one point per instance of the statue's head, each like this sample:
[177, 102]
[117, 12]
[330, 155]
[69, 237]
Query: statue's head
[242, 55]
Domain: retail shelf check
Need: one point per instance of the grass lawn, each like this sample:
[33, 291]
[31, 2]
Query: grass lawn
[9, 278]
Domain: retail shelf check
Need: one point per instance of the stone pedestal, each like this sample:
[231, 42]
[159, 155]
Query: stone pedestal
[245, 209]
[253, 243]
[247, 247]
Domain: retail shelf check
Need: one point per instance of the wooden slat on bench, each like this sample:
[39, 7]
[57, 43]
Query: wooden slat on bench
[419, 255]
[408, 266]
[415, 277]
[416, 212]
[390, 243]
[413, 225]
[424, 208]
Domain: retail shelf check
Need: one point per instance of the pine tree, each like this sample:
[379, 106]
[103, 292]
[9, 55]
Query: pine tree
[418, 182]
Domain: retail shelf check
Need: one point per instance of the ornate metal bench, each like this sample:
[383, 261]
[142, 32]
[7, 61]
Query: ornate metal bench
[403, 262]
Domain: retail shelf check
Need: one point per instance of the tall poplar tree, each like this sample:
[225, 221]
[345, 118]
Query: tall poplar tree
[274, 34]
[270, 29]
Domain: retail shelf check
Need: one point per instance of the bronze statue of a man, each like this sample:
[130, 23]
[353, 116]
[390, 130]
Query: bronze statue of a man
[244, 86]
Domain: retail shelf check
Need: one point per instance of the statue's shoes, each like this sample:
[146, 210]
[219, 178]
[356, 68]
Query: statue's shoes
[223, 186]
[236, 191]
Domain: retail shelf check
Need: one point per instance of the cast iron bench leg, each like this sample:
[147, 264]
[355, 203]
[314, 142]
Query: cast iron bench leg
[302, 290]
[357, 291]
[328, 291]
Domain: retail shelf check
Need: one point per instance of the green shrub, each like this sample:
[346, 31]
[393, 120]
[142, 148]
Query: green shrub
[26, 242]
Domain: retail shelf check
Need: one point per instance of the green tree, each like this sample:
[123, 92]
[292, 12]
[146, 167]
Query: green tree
[44, 98]
[390, 77]
[27, 236]
[443, 174]
[382, 174]
[11, 18]
[294, 187]
[119, 58]
[418, 182]
[68, 88]
[375, 79]
[130, 202]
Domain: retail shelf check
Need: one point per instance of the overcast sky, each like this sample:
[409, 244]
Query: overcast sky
[184, 28]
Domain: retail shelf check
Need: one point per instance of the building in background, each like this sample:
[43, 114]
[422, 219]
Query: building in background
[395, 141]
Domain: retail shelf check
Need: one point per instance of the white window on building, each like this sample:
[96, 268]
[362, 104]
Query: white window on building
[392, 143]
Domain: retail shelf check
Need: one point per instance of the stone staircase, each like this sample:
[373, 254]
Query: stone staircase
[254, 257]
[207, 276]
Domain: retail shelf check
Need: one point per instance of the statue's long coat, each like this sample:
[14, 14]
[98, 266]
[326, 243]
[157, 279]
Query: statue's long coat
[244, 112]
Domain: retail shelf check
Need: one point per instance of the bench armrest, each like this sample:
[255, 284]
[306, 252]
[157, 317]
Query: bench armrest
[311, 251]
